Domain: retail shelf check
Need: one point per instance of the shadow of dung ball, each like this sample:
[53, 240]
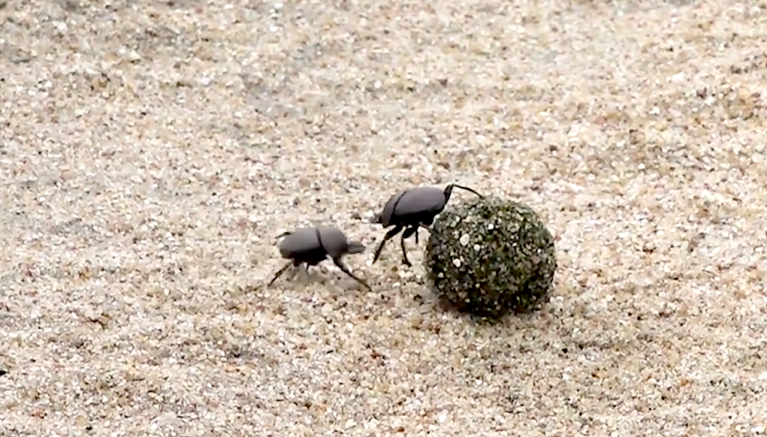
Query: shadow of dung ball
[490, 256]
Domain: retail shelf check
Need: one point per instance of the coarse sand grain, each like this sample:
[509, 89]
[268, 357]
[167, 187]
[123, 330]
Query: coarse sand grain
[151, 151]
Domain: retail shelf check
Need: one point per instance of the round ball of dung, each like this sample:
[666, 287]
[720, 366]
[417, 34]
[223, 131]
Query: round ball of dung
[490, 256]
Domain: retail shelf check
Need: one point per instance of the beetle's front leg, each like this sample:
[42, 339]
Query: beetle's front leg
[408, 232]
[421, 225]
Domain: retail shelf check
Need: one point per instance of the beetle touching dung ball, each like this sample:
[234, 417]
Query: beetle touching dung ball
[410, 210]
[310, 246]
[407, 211]
[488, 256]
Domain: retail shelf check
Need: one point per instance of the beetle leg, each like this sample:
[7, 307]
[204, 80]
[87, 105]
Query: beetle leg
[280, 272]
[343, 268]
[408, 232]
[322, 268]
[404, 251]
[389, 235]
[421, 225]
[283, 235]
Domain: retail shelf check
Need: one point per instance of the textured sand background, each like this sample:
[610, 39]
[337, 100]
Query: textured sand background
[150, 151]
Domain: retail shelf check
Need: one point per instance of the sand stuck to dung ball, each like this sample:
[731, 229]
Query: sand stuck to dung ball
[490, 256]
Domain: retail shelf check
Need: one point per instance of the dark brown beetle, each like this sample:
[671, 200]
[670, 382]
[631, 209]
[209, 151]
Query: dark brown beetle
[310, 246]
[412, 209]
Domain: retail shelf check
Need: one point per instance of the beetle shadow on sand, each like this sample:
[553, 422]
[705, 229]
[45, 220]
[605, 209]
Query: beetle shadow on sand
[319, 274]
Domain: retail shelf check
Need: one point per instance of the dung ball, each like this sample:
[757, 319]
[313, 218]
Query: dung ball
[491, 256]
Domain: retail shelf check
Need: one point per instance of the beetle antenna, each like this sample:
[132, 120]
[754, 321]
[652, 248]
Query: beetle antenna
[449, 190]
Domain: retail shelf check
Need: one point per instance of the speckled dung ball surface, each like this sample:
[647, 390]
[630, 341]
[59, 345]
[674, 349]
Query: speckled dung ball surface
[490, 257]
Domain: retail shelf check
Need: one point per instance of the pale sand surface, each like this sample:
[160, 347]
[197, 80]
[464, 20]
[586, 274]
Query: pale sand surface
[150, 152]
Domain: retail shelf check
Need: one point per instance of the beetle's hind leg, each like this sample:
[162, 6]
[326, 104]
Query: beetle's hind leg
[389, 235]
[312, 268]
[280, 272]
[297, 265]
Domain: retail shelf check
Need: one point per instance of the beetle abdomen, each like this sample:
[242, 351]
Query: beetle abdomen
[388, 210]
[419, 202]
[300, 243]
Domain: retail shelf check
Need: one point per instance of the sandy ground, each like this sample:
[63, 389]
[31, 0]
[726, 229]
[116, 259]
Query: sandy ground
[150, 152]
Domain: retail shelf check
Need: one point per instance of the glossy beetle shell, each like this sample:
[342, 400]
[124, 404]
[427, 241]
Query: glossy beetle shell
[316, 243]
[299, 242]
[408, 206]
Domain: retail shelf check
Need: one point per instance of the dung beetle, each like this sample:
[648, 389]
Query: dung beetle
[412, 209]
[310, 246]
